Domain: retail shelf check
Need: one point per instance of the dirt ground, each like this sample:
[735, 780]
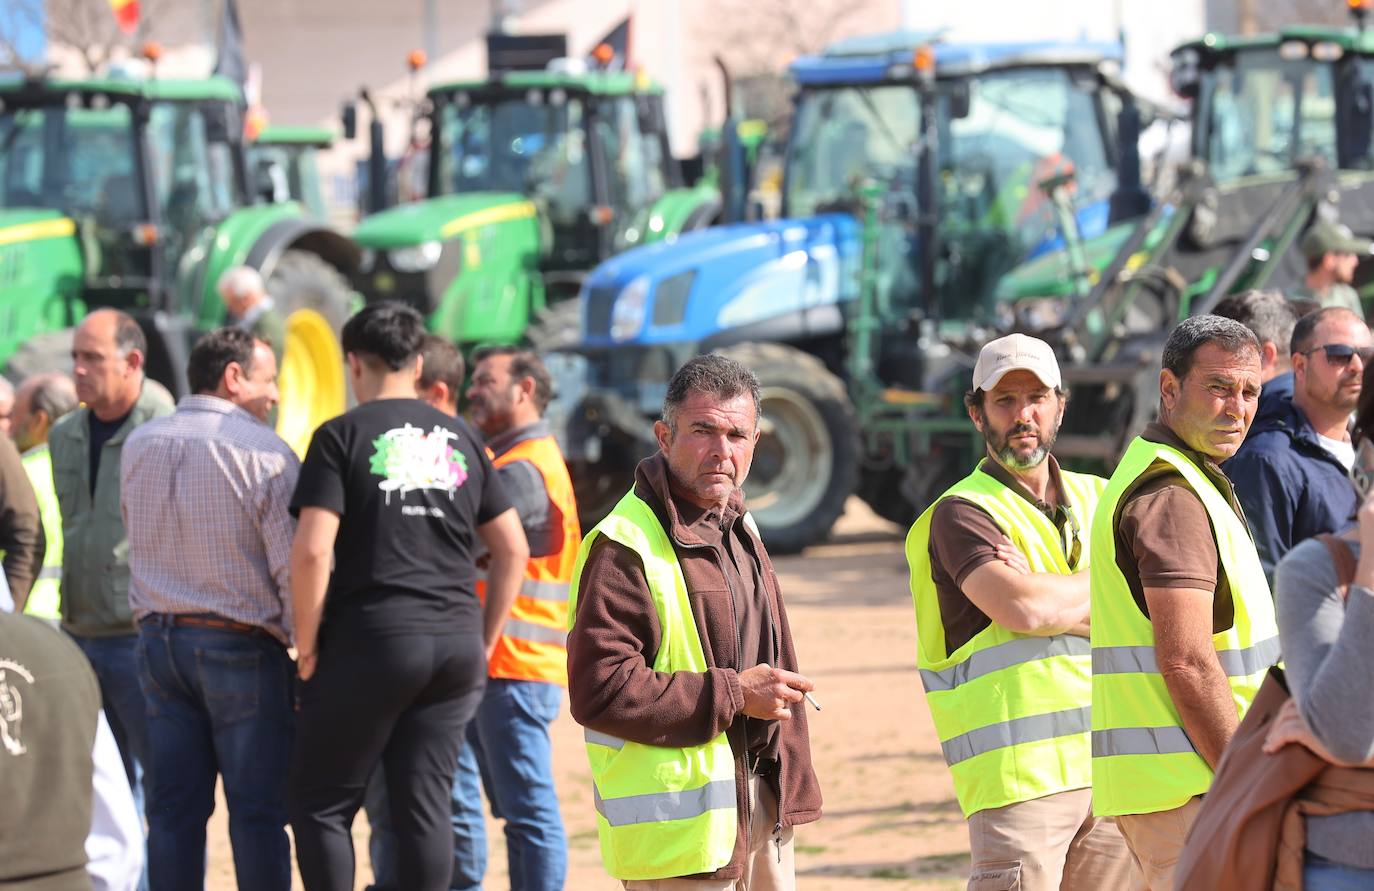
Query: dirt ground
[891, 821]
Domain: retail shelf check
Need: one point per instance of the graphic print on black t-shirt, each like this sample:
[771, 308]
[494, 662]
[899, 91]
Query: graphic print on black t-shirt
[408, 459]
[411, 486]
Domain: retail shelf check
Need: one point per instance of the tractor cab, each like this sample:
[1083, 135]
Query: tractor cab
[534, 177]
[134, 194]
[590, 150]
[139, 173]
[282, 161]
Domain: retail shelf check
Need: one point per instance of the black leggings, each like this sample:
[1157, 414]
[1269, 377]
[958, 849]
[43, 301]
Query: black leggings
[403, 700]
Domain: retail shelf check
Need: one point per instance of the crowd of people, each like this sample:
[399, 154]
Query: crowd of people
[1089, 646]
[389, 623]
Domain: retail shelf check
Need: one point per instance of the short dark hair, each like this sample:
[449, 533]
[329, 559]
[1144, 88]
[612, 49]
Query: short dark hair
[714, 375]
[442, 362]
[1196, 332]
[129, 334]
[1269, 315]
[387, 333]
[215, 352]
[523, 363]
[1305, 331]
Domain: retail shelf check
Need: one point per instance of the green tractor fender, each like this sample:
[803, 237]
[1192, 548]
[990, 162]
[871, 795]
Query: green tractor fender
[682, 210]
[306, 267]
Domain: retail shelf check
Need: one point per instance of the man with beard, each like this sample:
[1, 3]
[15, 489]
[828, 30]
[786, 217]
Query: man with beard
[998, 576]
[1333, 255]
[1183, 627]
[1291, 475]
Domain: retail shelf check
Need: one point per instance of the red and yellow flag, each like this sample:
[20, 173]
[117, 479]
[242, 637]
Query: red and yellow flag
[126, 14]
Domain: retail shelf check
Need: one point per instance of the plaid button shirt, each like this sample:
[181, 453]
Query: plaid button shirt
[204, 494]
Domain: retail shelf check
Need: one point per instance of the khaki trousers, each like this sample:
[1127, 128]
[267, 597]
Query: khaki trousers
[1157, 840]
[1048, 844]
[768, 866]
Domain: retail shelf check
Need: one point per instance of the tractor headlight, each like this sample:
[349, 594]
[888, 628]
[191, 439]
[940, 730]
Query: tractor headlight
[418, 258]
[627, 316]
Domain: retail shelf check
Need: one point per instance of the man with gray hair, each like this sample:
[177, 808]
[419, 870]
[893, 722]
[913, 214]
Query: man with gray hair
[42, 401]
[681, 665]
[1183, 627]
[1270, 316]
[251, 308]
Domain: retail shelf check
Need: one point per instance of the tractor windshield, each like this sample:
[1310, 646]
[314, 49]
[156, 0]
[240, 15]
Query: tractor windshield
[513, 143]
[80, 161]
[1260, 113]
[1022, 126]
[845, 135]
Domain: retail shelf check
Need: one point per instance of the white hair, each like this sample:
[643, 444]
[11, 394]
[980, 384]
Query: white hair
[241, 282]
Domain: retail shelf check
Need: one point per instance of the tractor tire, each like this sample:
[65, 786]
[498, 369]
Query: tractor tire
[314, 300]
[556, 326]
[806, 463]
[49, 351]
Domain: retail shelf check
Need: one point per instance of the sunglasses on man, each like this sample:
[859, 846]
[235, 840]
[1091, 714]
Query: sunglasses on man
[1342, 353]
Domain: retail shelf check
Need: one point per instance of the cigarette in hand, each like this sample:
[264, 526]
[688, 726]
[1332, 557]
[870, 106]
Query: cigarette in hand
[811, 699]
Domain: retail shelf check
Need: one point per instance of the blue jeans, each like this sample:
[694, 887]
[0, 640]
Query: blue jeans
[219, 702]
[116, 668]
[1320, 874]
[512, 724]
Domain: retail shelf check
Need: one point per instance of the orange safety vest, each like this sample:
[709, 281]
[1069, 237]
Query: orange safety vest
[533, 645]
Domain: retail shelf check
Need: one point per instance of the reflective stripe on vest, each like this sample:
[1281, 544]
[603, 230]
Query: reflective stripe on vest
[1011, 710]
[1143, 761]
[533, 645]
[661, 812]
[45, 597]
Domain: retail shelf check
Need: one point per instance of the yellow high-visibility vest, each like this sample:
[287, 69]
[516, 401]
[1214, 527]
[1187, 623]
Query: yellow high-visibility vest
[1011, 709]
[45, 598]
[1143, 761]
[660, 812]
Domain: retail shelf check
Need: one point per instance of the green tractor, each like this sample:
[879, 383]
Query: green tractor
[283, 161]
[535, 176]
[1281, 137]
[138, 195]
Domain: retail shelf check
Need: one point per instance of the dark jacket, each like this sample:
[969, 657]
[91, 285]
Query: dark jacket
[613, 689]
[1291, 487]
[49, 703]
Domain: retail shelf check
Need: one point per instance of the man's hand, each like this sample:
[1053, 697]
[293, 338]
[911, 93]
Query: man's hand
[768, 691]
[305, 665]
[1011, 555]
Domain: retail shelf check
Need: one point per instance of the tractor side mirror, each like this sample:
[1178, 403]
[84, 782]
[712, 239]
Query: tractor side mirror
[272, 182]
[960, 98]
[348, 115]
[220, 122]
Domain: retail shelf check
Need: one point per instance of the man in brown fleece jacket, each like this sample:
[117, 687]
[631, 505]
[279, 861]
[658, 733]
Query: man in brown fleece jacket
[750, 690]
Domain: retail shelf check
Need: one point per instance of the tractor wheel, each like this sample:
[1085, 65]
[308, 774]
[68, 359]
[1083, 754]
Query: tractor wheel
[313, 299]
[882, 490]
[49, 351]
[807, 460]
[556, 326]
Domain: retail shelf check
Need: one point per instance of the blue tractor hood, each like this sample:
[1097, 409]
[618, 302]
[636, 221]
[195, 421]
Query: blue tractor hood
[783, 277]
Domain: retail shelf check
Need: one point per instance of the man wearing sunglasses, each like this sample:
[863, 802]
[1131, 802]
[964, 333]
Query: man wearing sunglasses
[999, 578]
[1291, 473]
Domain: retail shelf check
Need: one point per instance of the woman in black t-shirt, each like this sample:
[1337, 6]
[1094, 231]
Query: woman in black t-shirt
[393, 645]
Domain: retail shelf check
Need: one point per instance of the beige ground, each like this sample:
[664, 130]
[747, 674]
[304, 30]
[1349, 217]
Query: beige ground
[890, 821]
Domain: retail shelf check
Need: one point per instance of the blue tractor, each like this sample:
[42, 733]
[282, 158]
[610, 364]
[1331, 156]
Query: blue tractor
[916, 175]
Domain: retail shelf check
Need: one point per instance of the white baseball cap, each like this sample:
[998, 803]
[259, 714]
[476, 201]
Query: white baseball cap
[1015, 352]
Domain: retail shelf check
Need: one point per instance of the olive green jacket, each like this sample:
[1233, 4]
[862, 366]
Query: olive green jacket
[95, 559]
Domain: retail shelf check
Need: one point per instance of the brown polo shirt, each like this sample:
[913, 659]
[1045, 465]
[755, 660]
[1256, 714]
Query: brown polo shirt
[1164, 538]
[963, 537]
